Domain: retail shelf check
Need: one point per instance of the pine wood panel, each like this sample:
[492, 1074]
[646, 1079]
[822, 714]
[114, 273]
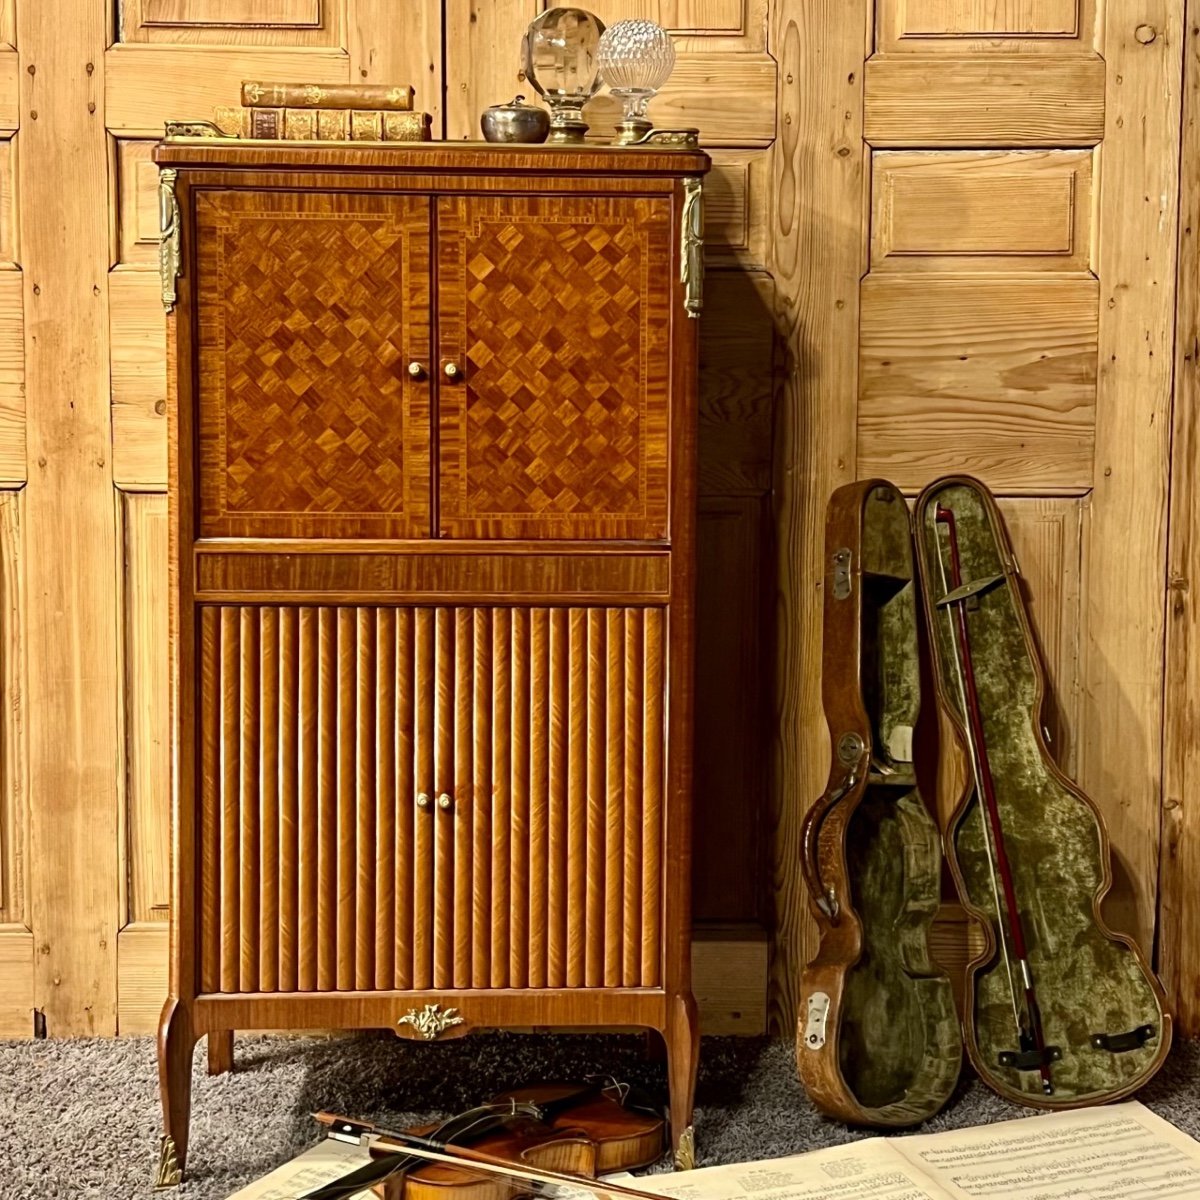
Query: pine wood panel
[991, 210]
[139, 379]
[15, 863]
[819, 254]
[260, 856]
[8, 205]
[10, 82]
[737, 208]
[683, 16]
[1008, 100]
[72, 626]
[384, 50]
[992, 376]
[145, 85]
[247, 22]
[12, 378]
[146, 798]
[1120, 734]
[1178, 941]
[16, 982]
[952, 27]
[136, 204]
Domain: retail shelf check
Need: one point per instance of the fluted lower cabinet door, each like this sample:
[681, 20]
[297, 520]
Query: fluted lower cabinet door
[417, 797]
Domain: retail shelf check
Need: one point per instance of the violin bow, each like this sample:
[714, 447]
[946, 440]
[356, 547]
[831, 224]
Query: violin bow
[1030, 1034]
[431, 1149]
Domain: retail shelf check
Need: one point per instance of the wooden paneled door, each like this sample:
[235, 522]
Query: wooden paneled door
[974, 253]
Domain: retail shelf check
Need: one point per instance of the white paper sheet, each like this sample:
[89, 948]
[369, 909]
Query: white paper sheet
[1122, 1152]
[323, 1163]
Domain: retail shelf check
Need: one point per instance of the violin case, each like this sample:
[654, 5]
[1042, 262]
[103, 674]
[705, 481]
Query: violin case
[1104, 1025]
[878, 1041]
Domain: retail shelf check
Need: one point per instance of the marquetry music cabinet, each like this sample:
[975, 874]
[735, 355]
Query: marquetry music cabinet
[432, 486]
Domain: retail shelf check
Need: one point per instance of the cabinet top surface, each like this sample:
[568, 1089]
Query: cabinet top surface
[456, 157]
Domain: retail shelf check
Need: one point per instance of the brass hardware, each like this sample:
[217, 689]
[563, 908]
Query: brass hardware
[445, 803]
[685, 1152]
[656, 139]
[818, 1013]
[430, 1022]
[452, 371]
[849, 749]
[422, 799]
[691, 250]
[170, 1173]
[196, 129]
[170, 255]
[416, 370]
[841, 573]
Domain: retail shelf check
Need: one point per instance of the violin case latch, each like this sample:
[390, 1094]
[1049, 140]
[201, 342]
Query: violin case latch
[814, 1029]
[841, 573]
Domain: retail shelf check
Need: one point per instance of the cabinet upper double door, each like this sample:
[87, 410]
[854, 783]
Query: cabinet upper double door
[386, 365]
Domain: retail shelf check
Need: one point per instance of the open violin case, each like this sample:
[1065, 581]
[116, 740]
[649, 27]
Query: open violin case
[878, 1041]
[1058, 1010]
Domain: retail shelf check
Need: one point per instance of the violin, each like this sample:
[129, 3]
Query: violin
[543, 1134]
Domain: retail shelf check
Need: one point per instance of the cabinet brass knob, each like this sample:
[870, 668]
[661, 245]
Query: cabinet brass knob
[445, 802]
[422, 799]
[416, 370]
[452, 371]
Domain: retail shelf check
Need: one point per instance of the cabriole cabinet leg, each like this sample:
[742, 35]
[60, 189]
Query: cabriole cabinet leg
[682, 1036]
[176, 1041]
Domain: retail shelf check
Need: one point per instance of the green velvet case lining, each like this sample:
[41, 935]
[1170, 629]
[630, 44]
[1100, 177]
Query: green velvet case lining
[900, 1048]
[1086, 983]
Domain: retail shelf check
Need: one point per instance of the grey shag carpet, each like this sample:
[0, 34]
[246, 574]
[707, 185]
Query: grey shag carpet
[81, 1118]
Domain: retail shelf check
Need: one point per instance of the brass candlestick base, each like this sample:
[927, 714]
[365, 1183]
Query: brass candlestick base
[567, 126]
[632, 130]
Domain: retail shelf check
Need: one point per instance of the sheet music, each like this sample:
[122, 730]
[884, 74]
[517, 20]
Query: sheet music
[328, 1160]
[1121, 1152]
[866, 1170]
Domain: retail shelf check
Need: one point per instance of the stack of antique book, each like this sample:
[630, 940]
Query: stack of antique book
[326, 112]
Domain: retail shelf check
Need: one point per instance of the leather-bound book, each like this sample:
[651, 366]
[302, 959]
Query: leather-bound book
[392, 97]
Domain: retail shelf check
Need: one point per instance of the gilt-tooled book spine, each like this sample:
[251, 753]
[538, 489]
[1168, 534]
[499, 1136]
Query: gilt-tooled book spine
[323, 125]
[363, 96]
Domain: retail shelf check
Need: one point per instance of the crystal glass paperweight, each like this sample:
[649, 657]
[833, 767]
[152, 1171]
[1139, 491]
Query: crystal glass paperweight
[636, 59]
[559, 57]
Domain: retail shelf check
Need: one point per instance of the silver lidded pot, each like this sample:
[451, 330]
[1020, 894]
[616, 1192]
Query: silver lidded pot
[515, 121]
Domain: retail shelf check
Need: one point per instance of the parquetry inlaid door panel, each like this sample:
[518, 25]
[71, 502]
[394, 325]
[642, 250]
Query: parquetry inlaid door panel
[406, 798]
[556, 311]
[309, 310]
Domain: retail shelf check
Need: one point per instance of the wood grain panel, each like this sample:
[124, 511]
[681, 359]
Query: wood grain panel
[992, 376]
[290, 444]
[8, 205]
[1008, 100]
[144, 85]
[136, 204]
[1056, 21]
[12, 378]
[737, 398]
[147, 799]
[682, 16]
[1047, 538]
[535, 442]
[16, 982]
[137, 335]
[993, 210]
[353, 688]
[737, 208]
[329, 572]
[10, 108]
[818, 257]
[246, 22]
[1178, 932]
[384, 51]
[62, 180]
[15, 863]
[1120, 734]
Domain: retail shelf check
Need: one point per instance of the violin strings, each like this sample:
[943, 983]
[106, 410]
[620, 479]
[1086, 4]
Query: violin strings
[975, 771]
